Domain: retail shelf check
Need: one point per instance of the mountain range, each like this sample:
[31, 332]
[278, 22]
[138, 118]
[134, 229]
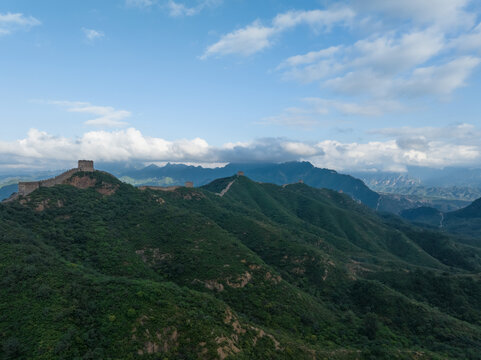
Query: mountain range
[450, 183]
[96, 268]
[288, 173]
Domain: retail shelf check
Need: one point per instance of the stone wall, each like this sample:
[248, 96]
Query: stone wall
[25, 188]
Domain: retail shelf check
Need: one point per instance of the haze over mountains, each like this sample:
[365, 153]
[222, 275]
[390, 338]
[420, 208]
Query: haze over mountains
[448, 183]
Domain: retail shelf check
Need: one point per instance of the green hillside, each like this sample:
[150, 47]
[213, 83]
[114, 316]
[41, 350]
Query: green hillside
[232, 270]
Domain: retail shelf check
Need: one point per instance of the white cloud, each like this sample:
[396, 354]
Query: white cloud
[314, 111]
[391, 55]
[132, 145]
[416, 49]
[296, 117]
[256, 37]
[466, 134]
[439, 80]
[317, 19]
[386, 67]
[445, 14]
[177, 9]
[376, 108]
[105, 116]
[389, 156]
[469, 41]
[92, 35]
[174, 8]
[140, 3]
[401, 147]
[386, 55]
[245, 41]
[11, 22]
[310, 57]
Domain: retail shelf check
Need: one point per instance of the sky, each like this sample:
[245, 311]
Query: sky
[371, 85]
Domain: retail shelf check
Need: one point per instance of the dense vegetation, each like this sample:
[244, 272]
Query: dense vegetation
[464, 222]
[102, 270]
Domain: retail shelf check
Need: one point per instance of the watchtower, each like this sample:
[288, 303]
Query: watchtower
[240, 173]
[189, 184]
[86, 165]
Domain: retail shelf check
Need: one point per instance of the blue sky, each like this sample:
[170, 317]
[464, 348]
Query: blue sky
[355, 84]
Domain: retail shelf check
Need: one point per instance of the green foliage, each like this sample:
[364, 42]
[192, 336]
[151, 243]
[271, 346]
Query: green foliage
[262, 272]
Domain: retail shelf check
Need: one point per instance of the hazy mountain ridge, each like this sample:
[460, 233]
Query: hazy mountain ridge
[284, 173]
[427, 183]
[264, 271]
[448, 199]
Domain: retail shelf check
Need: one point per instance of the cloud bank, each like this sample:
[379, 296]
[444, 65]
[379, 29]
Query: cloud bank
[400, 147]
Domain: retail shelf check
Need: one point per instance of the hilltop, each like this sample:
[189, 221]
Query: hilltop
[95, 268]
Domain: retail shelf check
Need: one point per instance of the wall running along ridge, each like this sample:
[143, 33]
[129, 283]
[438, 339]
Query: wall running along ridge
[25, 188]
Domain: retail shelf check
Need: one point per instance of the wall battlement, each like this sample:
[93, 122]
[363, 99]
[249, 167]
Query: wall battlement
[25, 188]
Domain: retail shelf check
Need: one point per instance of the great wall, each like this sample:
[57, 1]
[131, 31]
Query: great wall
[26, 188]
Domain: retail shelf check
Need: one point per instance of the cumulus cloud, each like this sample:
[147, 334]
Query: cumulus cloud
[104, 116]
[131, 145]
[140, 3]
[387, 67]
[174, 8]
[313, 111]
[92, 35]
[446, 14]
[416, 49]
[12, 22]
[399, 148]
[256, 36]
[375, 60]
[178, 9]
[470, 41]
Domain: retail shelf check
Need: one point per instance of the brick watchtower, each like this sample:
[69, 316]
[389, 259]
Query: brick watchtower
[86, 165]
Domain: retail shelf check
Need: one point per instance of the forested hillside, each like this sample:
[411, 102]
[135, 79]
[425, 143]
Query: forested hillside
[98, 269]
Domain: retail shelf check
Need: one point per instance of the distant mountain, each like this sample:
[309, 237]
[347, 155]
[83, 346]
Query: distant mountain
[98, 269]
[286, 173]
[426, 183]
[471, 211]
[425, 176]
[386, 181]
[281, 174]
